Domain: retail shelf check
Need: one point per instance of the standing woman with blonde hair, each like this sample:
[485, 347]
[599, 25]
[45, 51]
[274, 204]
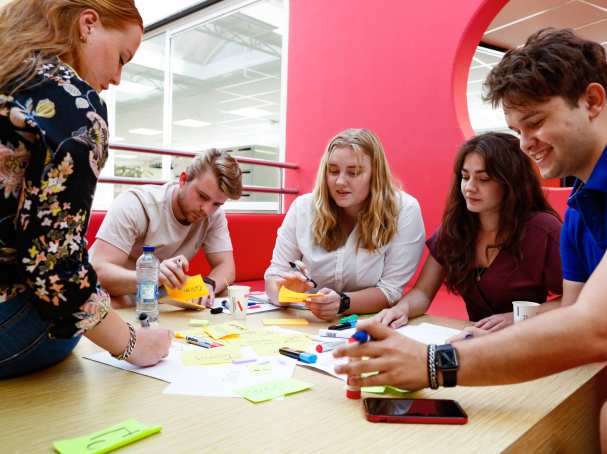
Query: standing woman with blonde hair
[57, 55]
[357, 236]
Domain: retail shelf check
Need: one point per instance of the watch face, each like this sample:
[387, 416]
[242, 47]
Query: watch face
[446, 358]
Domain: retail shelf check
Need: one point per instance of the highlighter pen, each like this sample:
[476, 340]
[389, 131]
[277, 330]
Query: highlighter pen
[300, 355]
[200, 342]
[296, 267]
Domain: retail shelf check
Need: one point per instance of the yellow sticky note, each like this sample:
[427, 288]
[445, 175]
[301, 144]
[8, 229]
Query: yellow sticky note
[194, 287]
[208, 356]
[289, 296]
[224, 330]
[285, 321]
[198, 322]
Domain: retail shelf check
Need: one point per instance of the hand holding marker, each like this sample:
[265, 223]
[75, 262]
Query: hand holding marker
[297, 267]
[353, 392]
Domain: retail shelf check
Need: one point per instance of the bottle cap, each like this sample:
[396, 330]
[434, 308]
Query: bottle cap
[148, 248]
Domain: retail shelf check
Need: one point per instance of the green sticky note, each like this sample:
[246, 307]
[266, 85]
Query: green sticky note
[106, 440]
[374, 389]
[272, 389]
[396, 391]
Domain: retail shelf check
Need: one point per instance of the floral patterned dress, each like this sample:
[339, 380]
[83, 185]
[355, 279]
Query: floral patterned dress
[53, 143]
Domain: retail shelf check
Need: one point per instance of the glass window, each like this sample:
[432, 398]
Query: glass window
[224, 91]
[226, 76]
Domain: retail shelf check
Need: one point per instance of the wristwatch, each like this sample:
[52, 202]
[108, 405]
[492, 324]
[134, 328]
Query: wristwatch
[447, 362]
[209, 281]
[344, 303]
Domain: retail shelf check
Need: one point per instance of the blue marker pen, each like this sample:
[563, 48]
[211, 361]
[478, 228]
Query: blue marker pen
[300, 355]
[361, 337]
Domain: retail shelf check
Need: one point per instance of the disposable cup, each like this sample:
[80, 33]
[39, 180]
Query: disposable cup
[238, 296]
[524, 309]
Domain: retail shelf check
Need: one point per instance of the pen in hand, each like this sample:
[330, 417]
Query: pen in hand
[297, 267]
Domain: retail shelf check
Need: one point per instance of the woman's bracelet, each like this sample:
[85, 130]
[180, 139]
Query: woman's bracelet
[130, 346]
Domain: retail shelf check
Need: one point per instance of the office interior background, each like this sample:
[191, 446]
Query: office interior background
[275, 79]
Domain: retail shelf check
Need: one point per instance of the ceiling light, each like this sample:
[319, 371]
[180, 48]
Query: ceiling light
[249, 112]
[191, 123]
[145, 131]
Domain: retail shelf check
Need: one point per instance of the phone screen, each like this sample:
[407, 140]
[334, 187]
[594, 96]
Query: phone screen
[415, 410]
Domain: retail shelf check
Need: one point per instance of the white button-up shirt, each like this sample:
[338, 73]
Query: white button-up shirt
[348, 269]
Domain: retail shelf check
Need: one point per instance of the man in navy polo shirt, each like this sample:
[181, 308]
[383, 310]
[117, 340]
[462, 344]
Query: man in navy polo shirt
[553, 92]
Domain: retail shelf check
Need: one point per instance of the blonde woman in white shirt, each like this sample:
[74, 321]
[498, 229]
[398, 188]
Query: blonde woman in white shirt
[357, 236]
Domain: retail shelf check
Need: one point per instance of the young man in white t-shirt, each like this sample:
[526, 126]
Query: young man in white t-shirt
[177, 218]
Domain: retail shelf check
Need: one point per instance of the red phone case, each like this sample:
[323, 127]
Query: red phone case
[417, 419]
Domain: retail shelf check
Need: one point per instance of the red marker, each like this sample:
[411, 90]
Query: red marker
[353, 392]
[328, 346]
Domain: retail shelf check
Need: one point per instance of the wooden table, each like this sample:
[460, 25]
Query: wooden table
[78, 396]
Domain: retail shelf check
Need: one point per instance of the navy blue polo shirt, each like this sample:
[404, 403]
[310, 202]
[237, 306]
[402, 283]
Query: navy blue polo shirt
[584, 233]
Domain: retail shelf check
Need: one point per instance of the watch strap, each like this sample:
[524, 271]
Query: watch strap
[344, 303]
[209, 281]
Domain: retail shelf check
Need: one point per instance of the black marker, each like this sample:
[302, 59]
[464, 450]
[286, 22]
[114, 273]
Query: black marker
[144, 321]
[296, 267]
[300, 355]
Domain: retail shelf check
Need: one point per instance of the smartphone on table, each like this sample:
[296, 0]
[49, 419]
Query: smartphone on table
[414, 411]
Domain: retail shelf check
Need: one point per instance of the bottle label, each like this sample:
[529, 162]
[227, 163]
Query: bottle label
[147, 291]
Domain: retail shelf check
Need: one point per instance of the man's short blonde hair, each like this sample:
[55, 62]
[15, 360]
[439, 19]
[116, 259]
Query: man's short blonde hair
[224, 167]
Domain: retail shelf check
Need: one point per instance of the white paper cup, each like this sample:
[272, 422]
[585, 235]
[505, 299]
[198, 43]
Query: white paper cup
[238, 296]
[524, 309]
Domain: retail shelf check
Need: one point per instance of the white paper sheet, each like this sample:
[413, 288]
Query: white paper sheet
[428, 333]
[165, 370]
[222, 380]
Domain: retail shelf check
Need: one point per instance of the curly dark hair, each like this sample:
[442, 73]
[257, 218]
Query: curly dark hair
[505, 163]
[551, 63]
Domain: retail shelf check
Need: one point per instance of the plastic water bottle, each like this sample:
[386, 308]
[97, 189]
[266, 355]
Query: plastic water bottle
[147, 284]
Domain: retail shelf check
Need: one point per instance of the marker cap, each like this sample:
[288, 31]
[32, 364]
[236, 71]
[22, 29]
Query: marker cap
[309, 358]
[353, 392]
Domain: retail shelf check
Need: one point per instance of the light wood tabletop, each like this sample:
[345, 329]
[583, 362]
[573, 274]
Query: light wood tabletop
[79, 396]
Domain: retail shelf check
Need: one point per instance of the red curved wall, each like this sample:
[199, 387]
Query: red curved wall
[397, 67]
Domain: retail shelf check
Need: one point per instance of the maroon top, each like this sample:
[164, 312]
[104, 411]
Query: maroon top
[505, 280]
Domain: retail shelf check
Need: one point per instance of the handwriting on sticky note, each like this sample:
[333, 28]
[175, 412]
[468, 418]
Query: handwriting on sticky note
[260, 368]
[272, 389]
[108, 439]
[194, 287]
[285, 321]
[289, 296]
[209, 356]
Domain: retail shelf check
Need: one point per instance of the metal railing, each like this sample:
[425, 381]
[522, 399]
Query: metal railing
[190, 154]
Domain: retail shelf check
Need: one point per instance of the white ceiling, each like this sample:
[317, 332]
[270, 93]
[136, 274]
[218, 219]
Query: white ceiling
[511, 27]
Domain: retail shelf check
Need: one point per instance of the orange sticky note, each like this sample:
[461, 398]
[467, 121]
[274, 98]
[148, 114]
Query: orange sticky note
[194, 287]
[289, 296]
